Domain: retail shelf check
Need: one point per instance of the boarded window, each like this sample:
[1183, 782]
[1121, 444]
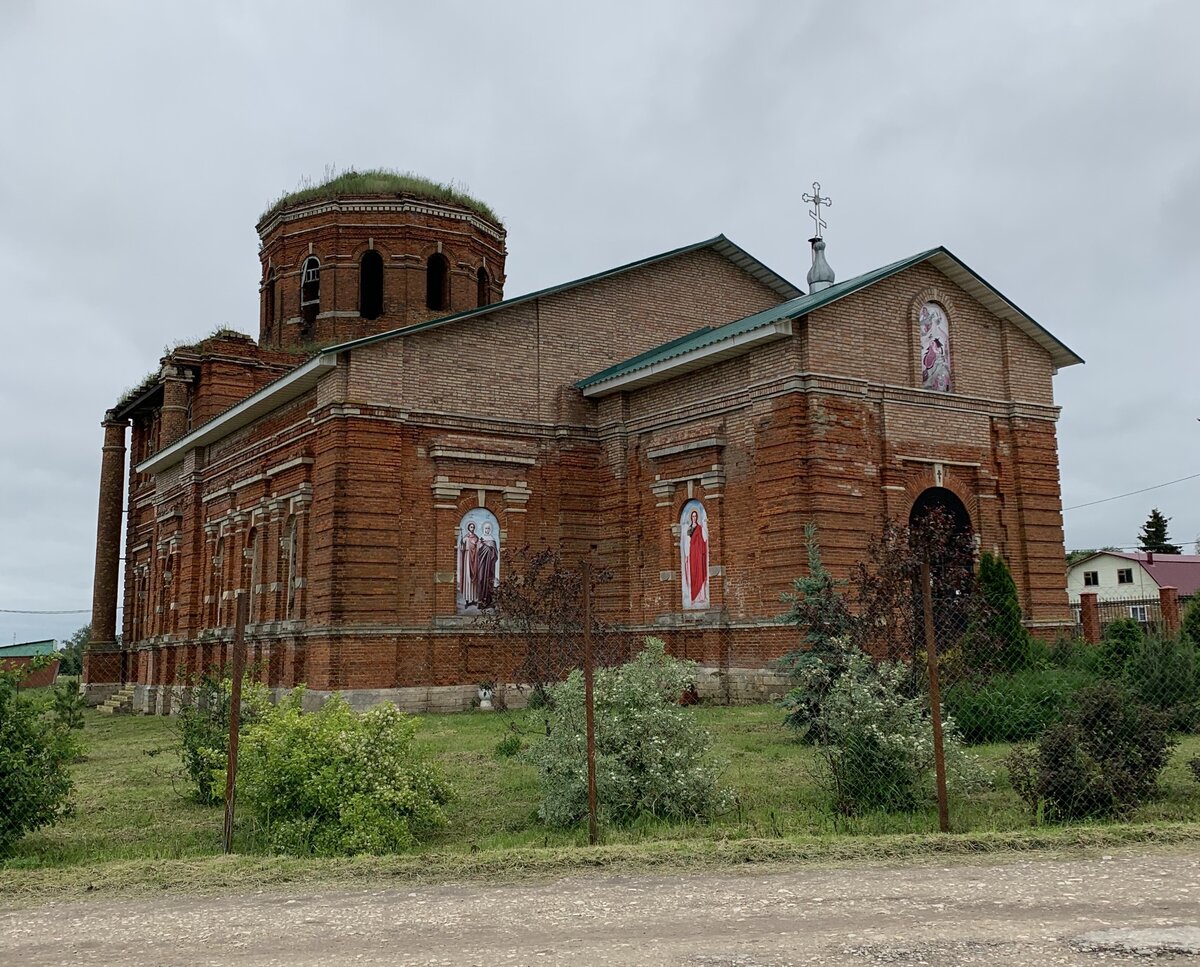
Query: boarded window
[437, 282]
[268, 326]
[484, 285]
[370, 286]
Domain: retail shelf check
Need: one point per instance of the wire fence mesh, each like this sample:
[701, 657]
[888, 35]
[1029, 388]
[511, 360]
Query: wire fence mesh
[852, 686]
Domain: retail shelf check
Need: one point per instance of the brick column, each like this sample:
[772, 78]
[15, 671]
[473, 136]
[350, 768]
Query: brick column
[174, 405]
[102, 660]
[1168, 602]
[1091, 617]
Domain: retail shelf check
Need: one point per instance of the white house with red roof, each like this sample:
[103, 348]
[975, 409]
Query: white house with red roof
[1128, 576]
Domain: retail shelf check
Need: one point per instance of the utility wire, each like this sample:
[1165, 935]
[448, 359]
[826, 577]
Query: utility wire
[1105, 500]
[71, 611]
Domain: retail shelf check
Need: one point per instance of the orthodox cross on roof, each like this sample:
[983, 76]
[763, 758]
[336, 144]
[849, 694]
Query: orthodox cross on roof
[817, 201]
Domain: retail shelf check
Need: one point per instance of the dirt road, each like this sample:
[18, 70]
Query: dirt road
[1038, 911]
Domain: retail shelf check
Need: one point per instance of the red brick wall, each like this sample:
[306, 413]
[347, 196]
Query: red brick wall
[405, 235]
[379, 463]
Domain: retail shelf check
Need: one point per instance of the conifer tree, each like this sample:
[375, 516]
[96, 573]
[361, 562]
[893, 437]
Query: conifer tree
[1007, 632]
[1154, 535]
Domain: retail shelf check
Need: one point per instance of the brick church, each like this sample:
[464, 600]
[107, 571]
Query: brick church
[364, 469]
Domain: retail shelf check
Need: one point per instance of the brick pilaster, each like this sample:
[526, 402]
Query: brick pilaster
[102, 664]
[175, 405]
[1090, 614]
[1168, 600]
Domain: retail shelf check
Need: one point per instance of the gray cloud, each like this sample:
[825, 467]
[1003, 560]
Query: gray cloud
[1053, 147]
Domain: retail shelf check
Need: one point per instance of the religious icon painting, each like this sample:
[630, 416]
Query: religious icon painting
[935, 348]
[477, 561]
[693, 555]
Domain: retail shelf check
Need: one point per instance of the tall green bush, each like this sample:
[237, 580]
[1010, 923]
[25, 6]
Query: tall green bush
[1102, 760]
[1120, 640]
[652, 758]
[334, 782]
[35, 751]
[1013, 708]
[1191, 621]
[1164, 674]
[1004, 634]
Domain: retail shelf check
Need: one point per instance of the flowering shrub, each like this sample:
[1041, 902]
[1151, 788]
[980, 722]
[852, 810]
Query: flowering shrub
[203, 729]
[876, 737]
[334, 782]
[651, 757]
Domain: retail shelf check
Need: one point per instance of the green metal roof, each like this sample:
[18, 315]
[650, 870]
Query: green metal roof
[952, 266]
[27, 649]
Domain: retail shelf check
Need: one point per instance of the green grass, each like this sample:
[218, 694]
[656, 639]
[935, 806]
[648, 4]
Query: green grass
[135, 826]
[381, 181]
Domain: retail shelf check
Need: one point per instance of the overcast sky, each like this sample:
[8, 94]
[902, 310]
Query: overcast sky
[1055, 147]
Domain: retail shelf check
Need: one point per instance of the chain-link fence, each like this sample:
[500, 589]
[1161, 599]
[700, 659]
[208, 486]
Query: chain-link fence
[910, 695]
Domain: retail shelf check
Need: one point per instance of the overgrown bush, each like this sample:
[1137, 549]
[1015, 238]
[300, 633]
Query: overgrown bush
[1164, 673]
[35, 750]
[651, 756]
[1075, 654]
[1120, 640]
[203, 729]
[874, 611]
[1013, 708]
[1191, 621]
[334, 782]
[877, 739]
[1102, 760]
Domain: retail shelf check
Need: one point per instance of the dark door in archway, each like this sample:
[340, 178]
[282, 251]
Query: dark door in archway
[940, 528]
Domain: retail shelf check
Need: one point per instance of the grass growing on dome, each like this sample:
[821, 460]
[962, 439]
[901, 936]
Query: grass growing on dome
[380, 181]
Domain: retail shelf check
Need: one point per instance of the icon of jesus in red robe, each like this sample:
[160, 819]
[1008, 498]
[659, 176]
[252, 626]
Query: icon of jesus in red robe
[697, 562]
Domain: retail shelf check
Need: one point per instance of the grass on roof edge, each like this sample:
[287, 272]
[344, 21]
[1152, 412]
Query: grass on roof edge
[381, 181]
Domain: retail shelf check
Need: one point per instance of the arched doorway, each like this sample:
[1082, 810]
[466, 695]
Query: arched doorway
[940, 530]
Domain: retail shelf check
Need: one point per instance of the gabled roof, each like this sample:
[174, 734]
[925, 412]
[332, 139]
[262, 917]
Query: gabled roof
[27, 649]
[1180, 571]
[304, 377]
[705, 345]
[719, 244]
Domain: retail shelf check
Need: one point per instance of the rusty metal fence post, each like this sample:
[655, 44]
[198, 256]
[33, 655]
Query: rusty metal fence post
[935, 702]
[237, 670]
[589, 704]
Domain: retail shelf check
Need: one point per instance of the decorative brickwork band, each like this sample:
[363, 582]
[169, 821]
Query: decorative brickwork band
[100, 665]
[1090, 614]
[1168, 599]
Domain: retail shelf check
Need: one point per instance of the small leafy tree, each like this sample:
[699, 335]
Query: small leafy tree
[68, 705]
[1154, 535]
[35, 751]
[652, 758]
[540, 602]
[334, 782]
[70, 656]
